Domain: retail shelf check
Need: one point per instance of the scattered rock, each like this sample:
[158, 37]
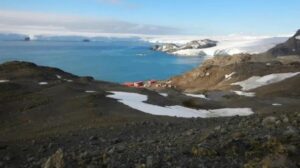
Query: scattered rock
[149, 162]
[56, 160]
[269, 121]
[93, 138]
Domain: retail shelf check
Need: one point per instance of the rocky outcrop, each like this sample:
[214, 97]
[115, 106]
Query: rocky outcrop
[169, 47]
[290, 47]
[199, 44]
[196, 44]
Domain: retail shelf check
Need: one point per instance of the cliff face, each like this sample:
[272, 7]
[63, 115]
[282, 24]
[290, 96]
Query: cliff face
[290, 47]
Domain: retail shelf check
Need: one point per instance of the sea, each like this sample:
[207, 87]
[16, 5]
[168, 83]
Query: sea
[109, 60]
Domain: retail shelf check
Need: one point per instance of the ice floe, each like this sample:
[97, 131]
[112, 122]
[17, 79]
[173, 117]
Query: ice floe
[202, 96]
[137, 101]
[258, 81]
[247, 94]
[43, 83]
[4, 81]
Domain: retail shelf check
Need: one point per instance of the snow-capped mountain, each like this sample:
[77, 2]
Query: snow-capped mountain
[220, 45]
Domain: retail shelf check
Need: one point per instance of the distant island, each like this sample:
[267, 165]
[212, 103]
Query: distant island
[86, 40]
[27, 38]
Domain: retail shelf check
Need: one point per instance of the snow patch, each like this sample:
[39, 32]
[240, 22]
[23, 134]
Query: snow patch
[247, 94]
[202, 96]
[298, 37]
[43, 83]
[4, 81]
[58, 76]
[276, 104]
[90, 91]
[136, 101]
[68, 80]
[164, 94]
[229, 76]
[258, 81]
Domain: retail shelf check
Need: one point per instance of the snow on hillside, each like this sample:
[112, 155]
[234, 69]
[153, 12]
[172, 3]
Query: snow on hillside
[258, 81]
[227, 45]
[137, 101]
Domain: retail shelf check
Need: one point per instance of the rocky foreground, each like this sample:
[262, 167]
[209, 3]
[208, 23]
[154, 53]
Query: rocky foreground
[50, 118]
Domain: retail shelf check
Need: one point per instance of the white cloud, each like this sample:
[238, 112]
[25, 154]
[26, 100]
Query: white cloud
[47, 23]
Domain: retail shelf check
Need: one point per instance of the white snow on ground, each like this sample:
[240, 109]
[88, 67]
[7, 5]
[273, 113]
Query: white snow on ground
[90, 91]
[258, 81]
[164, 94]
[68, 80]
[202, 96]
[229, 76]
[276, 104]
[43, 83]
[58, 76]
[247, 94]
[136, 101]
[298, 37]
[4, 81]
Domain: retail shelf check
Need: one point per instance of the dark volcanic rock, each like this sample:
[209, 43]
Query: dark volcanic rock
[290, 47]
[196, 44]
[199, 44]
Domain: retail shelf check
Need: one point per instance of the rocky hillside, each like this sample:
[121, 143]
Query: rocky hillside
[290, 47]
[50, 118]
[219, 73]
[196, 44]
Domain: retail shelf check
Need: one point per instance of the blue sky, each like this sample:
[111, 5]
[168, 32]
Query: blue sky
[193, 17]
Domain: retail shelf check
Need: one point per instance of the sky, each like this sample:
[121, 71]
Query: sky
[150, 17]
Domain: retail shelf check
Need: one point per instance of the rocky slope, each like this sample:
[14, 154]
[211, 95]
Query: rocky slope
[196, 44]
[50, 118]
[212, 74]
[290, 47]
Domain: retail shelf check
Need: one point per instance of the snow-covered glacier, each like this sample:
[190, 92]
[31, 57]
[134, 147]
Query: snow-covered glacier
[227, 45]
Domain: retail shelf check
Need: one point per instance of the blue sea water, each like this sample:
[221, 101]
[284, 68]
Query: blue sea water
[115, 61]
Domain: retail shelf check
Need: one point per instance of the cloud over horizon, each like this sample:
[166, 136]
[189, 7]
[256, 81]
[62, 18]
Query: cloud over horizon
[49, 23]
